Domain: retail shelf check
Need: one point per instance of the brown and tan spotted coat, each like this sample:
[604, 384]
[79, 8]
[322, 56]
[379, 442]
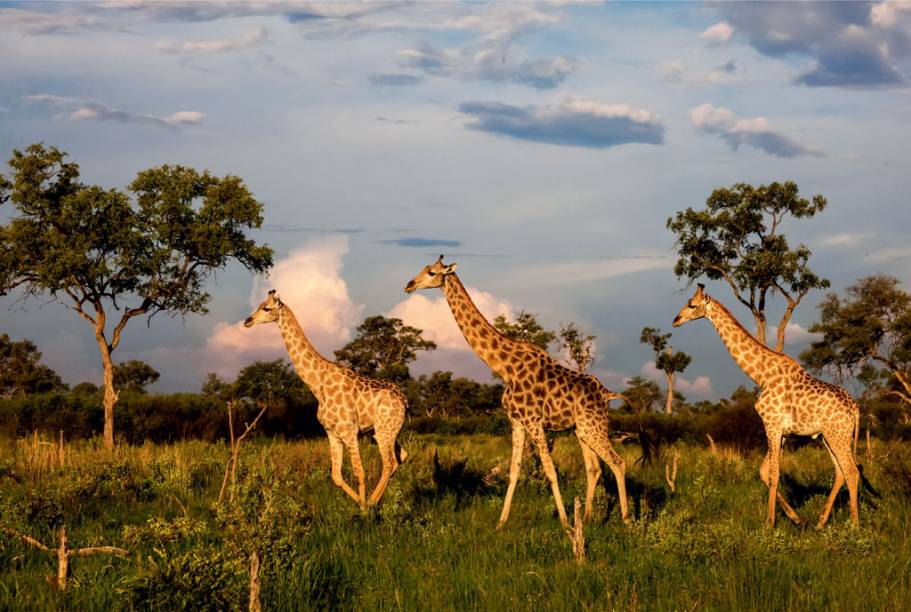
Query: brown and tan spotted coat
[349, 404]
[791, 403]
[540, 394]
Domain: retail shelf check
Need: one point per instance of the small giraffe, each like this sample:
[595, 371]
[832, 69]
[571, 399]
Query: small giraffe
[791, 403]
[540, 394]
[348, 403]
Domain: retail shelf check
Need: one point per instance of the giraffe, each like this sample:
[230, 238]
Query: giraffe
[791, 402]
[348, 403]
[540, 394]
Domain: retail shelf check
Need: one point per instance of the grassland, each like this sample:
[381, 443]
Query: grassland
[431, 545]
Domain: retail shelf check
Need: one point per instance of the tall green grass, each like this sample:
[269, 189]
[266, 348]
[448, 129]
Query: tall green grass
[432, 543]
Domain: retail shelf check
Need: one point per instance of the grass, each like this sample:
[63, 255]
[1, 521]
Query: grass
[432, 543]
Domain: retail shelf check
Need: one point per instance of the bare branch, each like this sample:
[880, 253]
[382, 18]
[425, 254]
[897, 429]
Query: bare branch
[27, 539]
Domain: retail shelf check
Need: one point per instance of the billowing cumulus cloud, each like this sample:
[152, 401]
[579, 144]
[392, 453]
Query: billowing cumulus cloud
[577, 122]
[217, 45]
[754, 132]
[88, 110]
[309, 282]
[851, 44]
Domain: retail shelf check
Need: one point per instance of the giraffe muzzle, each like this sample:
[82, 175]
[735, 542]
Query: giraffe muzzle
[248, 322]
[410, 287]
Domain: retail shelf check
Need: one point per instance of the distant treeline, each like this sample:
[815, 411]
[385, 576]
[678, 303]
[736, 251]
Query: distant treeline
[163, 418]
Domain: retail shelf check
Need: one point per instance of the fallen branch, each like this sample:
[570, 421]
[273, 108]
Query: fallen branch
[64, 554]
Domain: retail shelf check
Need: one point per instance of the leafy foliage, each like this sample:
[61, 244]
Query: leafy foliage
[580, 346]
[383, 348]
[736, 238]
[866, 334]
[665, 359]
[21, 370]
[441, 394]
[525, 329]
[134, 376]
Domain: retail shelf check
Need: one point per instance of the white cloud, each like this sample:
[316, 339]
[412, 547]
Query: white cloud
[701, 386]
[719, 33]
[433, 316]
[88, 110]
[847, 239]
[886, 14]
[752, 131]
[39, 23]
[309, 282]
[245, 41]
[671, 71]
[794, 335]
[585, 271]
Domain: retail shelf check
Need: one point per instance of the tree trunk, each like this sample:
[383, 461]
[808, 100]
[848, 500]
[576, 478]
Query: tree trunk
[255, 605]
[783, 325]
[63, 561]
[110, 395]
[669, 408]
[760, 328]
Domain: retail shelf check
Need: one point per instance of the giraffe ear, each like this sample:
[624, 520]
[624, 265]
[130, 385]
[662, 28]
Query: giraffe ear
[699, 289]
[450, 268]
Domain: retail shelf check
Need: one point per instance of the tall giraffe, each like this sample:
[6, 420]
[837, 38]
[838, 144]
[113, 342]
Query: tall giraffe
[791, 402]
[348, 403]
[540, 394]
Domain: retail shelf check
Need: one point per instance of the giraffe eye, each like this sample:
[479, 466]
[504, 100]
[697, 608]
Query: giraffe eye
[431, 273]
[266, 308]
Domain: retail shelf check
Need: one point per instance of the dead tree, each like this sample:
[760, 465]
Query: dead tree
[231, 466]
[670, 473]
[577, 534]
[63, 553]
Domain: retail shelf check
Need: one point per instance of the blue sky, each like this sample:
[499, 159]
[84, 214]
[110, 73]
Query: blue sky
[541, 146]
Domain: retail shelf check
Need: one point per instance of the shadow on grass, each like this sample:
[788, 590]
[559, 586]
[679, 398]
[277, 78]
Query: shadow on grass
[798, 493]
[456, 478]
[645, 499]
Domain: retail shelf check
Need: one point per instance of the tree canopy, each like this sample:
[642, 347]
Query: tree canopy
[21, 370]
[104, 252]
[525, 329]
[866, 333]
[134, 376]
[579, 346]
[383, 348]
[736, 238]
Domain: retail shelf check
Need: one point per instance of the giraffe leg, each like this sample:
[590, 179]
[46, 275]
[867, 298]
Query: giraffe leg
[592, 474]
[764, 477]
[386, 444]
[774, 470]
[540, 442]
[602, 446]
[843, 457]
[337, 454]
[515, 466]
[836, 487]
[358, 467]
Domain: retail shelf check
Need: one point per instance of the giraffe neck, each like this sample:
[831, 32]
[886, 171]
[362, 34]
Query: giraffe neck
[754, 358]
[486, 340]
[308, 363]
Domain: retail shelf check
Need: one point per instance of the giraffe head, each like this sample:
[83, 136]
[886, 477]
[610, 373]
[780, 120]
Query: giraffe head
[267, 311]
[431, 276]
[695, 307]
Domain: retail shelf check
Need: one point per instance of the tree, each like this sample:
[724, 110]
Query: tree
[107, 255]
[665, 359]
[525, 329]
[134, 376]
[21, 370]
[642, 395]
[736, 238]
[383, 348]
[866, 334]
[581, 347]
[272, 382]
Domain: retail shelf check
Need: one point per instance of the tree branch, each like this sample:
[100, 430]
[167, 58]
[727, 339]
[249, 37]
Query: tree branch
[129, 314]
[27, 539]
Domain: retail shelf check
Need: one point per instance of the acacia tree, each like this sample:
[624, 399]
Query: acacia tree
[867, 334]
[665, 359]
[21, 370]
[525, 329]
[580, 346]
[107, 255]
[736, 238]
[383, 348]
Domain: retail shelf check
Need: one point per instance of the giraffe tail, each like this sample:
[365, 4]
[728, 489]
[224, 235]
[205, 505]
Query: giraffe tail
[856, 434]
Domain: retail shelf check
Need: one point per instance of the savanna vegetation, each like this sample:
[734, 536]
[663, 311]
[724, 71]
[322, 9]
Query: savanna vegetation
[222, 498]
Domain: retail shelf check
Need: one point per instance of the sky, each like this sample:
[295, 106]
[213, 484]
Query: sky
[541, 146]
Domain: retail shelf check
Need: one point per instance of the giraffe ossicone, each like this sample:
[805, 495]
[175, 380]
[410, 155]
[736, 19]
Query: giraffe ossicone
[791, 402]
[349, 404]
[540, 394]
